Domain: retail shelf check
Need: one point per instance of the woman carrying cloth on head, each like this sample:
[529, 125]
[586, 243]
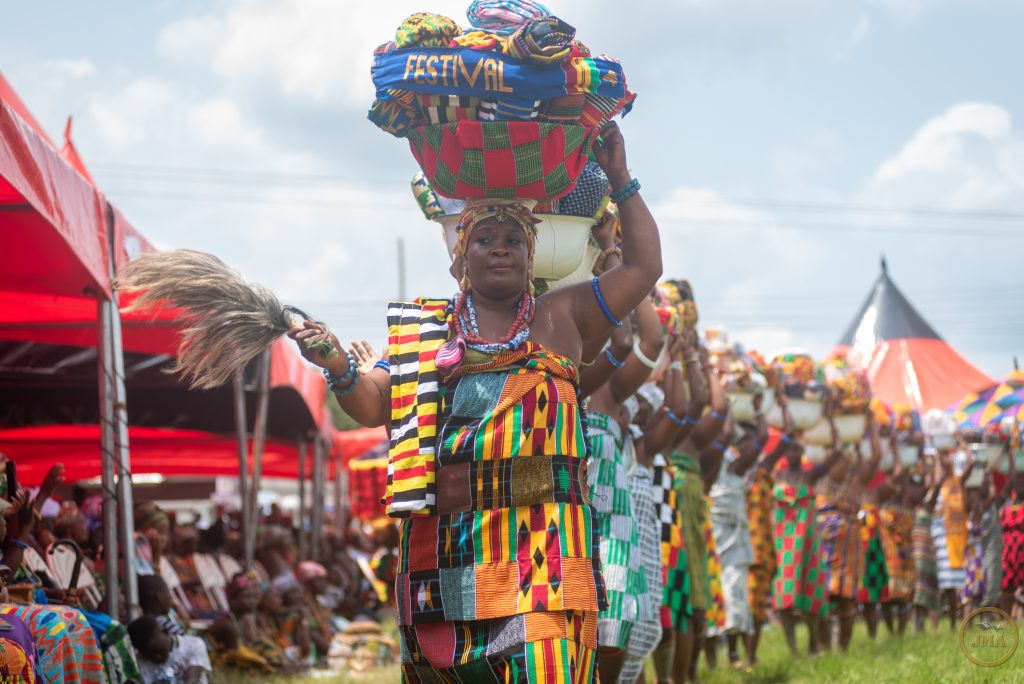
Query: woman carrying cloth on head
[499, 576]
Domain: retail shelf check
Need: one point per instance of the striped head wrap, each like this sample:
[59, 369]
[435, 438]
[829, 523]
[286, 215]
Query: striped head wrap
[148, 514]
[475, 211]
[504, 16]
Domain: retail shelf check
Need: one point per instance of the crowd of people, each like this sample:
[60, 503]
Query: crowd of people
[200, 610]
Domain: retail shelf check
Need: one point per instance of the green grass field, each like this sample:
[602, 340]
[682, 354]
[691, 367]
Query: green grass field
[929, 658]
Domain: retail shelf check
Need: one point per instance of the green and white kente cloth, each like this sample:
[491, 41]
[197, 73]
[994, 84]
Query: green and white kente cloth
[612, 501]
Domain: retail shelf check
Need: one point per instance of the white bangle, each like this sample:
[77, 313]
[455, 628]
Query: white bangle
[642, 358]
[676, 365]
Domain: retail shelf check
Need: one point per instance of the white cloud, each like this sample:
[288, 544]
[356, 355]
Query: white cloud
[126, 118]
[968, 157]
[75, 68]
[190, 39]
[218, 123]
[861, 30]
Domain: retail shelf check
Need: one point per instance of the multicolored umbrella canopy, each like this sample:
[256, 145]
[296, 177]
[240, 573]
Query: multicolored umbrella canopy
[993, 404]
[905, 358]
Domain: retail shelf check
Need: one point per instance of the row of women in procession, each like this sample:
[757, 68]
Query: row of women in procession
[576, 496]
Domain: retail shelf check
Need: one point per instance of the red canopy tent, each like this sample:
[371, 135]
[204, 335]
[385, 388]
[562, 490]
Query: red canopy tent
[905, 358]
[55, 245]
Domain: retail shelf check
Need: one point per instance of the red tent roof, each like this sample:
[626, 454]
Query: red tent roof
[54, 220]
[905, 358]
[166, 451]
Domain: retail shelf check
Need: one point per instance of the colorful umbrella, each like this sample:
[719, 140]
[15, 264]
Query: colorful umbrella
[967, 413]
[1007, 401]
[992, 404]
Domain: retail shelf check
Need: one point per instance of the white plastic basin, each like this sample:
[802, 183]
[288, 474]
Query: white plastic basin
[805, 414]
[743, 405]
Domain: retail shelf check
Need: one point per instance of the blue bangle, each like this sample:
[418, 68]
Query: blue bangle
[383, 365]
[676, 419]
[717, 416]
[604, 307]
[785, 439]
[18, 543]
[687, 420]
[612, 360]
[625, 192]
[718, 445]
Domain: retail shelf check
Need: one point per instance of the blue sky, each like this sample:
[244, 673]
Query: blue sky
[769, 138]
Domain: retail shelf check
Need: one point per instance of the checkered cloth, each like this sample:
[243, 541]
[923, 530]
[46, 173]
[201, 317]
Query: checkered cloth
[588, 198]
[612, 503]
[675, 602]
[647, 630]
[875, 583]
[926, 582]
[799, 580]
[1012, 522]
[502, 159]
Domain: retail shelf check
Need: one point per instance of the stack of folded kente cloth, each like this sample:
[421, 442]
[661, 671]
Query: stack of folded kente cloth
[508, 108]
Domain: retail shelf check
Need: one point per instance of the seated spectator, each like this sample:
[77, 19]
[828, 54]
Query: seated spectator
[290, 622]
[166, 658]
[313, 578]
[227, 651]
[152, 537]
[155, 601]
[186, 543]
[244, 599]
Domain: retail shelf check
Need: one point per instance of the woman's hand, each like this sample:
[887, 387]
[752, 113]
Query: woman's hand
[366, 356]
[319, 346]
[610, 153]
[604, 232]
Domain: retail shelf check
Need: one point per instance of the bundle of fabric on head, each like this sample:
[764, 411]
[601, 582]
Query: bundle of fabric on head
[679, 293]
[425, 29]
[503, 17]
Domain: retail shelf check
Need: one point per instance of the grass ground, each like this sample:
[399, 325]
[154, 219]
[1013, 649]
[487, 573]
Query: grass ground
[933, 658]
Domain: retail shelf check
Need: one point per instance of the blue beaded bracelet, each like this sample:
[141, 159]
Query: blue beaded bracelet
[604, 306]
[612, 360]
[689, 421]
[383, 365]
[625, 192]
[786, 439]
[676, 419]
[347, 382]
[717, 416]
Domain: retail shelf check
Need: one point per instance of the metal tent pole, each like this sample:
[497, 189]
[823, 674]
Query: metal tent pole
[120, 427]
[340, 517]
[109, 485]
[258, 442]
[123, 460]
[242, 439]
[303, 536]
[317, 517]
